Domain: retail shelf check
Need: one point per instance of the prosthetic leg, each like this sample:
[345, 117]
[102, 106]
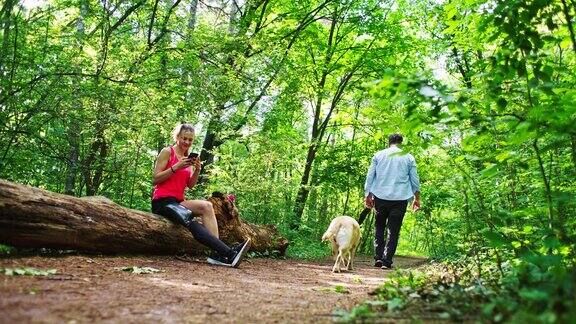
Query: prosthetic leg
[178, 214]
[225, 256]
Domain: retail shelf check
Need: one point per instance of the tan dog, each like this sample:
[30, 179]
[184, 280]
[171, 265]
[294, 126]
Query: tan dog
[344, 234]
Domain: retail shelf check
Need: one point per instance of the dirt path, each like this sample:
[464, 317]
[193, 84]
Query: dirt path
[88, 288]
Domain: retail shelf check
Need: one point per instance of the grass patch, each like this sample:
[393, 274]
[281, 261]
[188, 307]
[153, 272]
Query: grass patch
[6, 250]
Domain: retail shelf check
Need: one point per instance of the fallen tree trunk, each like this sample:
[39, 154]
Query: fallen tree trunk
[32, 217]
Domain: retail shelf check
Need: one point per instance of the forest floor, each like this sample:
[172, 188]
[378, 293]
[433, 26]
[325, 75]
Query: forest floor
[90, 288]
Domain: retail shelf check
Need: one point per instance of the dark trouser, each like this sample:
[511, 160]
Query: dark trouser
[170, 208]
[389, 216]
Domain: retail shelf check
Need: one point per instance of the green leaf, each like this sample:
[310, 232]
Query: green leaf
[533, 83]
[522, 133]
[27, 272]
[502, 103]
[490, 171]
[138, 270]
[444, 315]
[495, 239]
[551, 242]
[395, 303]
[534, 294]
[341, 289]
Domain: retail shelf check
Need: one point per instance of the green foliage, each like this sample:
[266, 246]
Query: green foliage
[358, 313]
[293, 98]
[27, 271]
[341, 289]
[500, 168]
[521, 291]
[6, 250]
[305, 244]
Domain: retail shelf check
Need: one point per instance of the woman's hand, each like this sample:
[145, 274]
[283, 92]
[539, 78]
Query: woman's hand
[194, 175]
[197, 164]
[184, 163]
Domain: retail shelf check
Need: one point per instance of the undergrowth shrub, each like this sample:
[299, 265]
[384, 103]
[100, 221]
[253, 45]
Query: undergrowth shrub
[531, 289]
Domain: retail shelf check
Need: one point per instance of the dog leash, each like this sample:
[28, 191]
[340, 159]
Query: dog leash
[363, 215]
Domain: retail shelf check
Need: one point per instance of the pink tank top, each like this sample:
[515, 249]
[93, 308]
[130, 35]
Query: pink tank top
[176, 184]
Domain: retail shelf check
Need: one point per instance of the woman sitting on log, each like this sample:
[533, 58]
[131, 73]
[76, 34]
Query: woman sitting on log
[174, 170]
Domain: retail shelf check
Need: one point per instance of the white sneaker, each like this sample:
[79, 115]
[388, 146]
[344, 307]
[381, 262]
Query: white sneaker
[240, 251]
[234, 261]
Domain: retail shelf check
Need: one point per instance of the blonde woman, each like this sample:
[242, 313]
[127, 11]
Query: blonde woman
[175, 169]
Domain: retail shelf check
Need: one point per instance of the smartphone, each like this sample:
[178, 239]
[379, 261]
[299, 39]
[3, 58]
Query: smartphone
[193, 155]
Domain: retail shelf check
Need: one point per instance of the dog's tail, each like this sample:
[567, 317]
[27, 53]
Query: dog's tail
[331, 231]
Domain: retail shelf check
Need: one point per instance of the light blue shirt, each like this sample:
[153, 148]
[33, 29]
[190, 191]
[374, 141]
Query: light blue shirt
[392, 175]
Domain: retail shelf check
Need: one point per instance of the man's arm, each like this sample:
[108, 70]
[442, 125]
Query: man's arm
[416, 203]
[415, 183]
[369, 197]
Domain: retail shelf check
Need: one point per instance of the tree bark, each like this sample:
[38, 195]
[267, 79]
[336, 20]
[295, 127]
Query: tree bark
[73, 128]
[303, 189]
[5, 17]
[568, 17]
[192, 17]
[320, 123]
[32, 217]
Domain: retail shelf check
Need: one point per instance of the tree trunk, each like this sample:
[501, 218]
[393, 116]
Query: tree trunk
[192, 17]
[234, 8]
[73, 128]
[303, 189]
[568, 17]
[349, 185]
[5, 17]
[210, 142]
[73, 156]
[32, 217]
[232, 229]
[95, 161]
[319, 123]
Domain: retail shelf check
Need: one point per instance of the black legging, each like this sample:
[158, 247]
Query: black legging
[171, 208]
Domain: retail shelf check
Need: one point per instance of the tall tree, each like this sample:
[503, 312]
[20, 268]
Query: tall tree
[347, 48]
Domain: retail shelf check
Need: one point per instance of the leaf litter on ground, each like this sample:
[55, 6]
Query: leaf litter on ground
[139, 270]
[27, 271]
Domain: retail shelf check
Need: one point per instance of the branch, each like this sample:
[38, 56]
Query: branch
[124, 17]
[163, 30]
[152, 19]
[309, 18]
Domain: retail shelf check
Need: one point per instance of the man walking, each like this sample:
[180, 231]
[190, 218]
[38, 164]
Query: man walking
[391, 182]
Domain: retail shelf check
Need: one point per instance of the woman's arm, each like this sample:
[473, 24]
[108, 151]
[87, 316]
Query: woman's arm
[161, 175]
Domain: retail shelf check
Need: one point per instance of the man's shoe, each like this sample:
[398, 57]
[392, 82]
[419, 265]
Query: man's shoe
[378, 263]
[386, 266]
[238, 253]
